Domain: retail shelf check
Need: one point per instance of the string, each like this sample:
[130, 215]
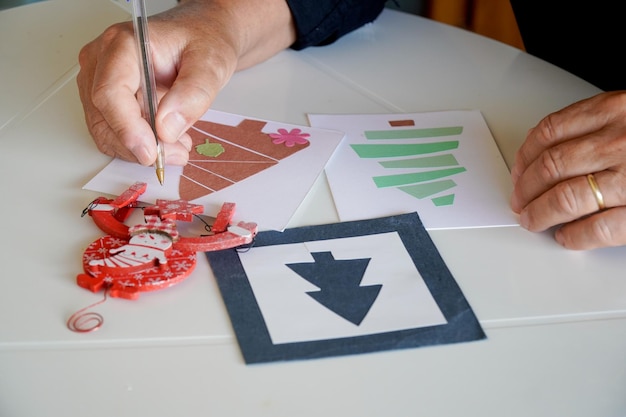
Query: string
[89, 207]
[84, 321]
[246, 247]
[95, 203]
[207, 226]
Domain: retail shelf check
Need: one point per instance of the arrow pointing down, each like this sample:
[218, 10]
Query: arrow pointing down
[340, 285]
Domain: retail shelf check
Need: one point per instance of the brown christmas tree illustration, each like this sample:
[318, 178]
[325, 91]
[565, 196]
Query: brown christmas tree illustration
[223, 155]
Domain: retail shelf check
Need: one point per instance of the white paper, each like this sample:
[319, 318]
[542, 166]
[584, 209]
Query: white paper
[478, 181]
[403, 303]
[268, 198]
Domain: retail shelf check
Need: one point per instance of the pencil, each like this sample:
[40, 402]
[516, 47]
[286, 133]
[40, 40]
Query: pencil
[148, 84]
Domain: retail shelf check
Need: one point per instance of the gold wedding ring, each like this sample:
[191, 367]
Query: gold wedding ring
[596, 191]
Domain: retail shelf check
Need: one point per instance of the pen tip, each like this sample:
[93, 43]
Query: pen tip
[160, 172]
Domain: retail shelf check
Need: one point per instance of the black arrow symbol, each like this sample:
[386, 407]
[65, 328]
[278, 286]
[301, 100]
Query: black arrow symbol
[340, 285]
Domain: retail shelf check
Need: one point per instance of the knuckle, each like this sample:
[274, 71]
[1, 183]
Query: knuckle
[100, 96]
[614, 148]
[99, 132]
[566, 199]
[84, 55]
[200, 94]
[532, 222]
[551, 163]
[103, 95]
[601, 232]
[546, 130]
[613, 100]
[115, 32]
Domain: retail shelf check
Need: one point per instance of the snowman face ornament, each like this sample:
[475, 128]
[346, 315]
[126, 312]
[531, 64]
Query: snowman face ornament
[143, 250]
[150, 255]
[152, 239]
[145, 261]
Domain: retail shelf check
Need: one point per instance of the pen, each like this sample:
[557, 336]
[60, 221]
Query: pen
[148, 84]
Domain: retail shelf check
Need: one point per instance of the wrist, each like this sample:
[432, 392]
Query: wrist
[253, 29]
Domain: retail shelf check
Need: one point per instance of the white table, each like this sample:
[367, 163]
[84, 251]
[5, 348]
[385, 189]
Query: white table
[555, 319]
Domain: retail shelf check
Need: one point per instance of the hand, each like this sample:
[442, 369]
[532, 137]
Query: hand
[196, 47]
[551, 167]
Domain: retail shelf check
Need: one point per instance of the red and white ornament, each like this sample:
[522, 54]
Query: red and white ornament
[151, 255]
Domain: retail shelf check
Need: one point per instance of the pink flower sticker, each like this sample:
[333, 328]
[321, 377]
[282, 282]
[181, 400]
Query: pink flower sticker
[289, 138]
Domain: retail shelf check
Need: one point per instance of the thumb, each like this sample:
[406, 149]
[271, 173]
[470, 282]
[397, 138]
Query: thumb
[201, 75]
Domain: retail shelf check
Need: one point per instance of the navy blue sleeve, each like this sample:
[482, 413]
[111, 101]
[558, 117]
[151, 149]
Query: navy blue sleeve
[321, 22]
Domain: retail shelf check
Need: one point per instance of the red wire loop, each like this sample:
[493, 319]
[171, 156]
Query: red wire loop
[84, 321]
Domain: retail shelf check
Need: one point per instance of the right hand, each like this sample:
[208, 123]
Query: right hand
[196, 47]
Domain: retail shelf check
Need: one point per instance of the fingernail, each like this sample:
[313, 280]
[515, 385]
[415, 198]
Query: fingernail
[523, 219]
[513, 203]
[514, 174]
[186, 141]
[142, 154]
[177, 159]
[174, 124]
[558, 236]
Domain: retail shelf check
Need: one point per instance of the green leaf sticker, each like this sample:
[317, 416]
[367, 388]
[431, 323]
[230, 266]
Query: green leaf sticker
[210, 149]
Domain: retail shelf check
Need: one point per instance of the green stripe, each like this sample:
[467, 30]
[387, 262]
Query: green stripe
[446, 200]
[427, 189]
[425, 162]
[414, 133]
[388, 151]
[404, 179]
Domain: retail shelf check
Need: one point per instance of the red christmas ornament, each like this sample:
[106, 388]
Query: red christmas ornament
[151, 255]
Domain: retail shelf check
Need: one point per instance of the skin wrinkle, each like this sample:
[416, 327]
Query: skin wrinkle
[550, 184]
[551, 165]
[602, 232]
[566, 199]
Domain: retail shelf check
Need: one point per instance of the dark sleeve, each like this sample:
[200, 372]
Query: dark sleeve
[584, 38]
[321, 22]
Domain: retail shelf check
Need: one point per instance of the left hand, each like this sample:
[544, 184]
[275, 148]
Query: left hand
[551, 167]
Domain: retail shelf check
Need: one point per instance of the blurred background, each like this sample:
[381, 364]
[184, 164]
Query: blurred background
[491, 18]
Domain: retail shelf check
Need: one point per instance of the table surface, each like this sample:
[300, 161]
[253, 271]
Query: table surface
[555, 319]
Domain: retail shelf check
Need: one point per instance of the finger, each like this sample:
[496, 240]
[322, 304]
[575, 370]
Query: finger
[563, 203]
[201, 76]
[106, 139]
[102, 134]
[578, 119]
[574, 199]
[178, 153]
[606, 228]
[116, 81]
[560, 163]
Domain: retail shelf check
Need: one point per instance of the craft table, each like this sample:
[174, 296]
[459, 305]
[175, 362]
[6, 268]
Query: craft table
[555, 319]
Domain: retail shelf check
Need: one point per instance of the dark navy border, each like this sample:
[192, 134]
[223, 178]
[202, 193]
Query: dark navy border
[250, 328]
